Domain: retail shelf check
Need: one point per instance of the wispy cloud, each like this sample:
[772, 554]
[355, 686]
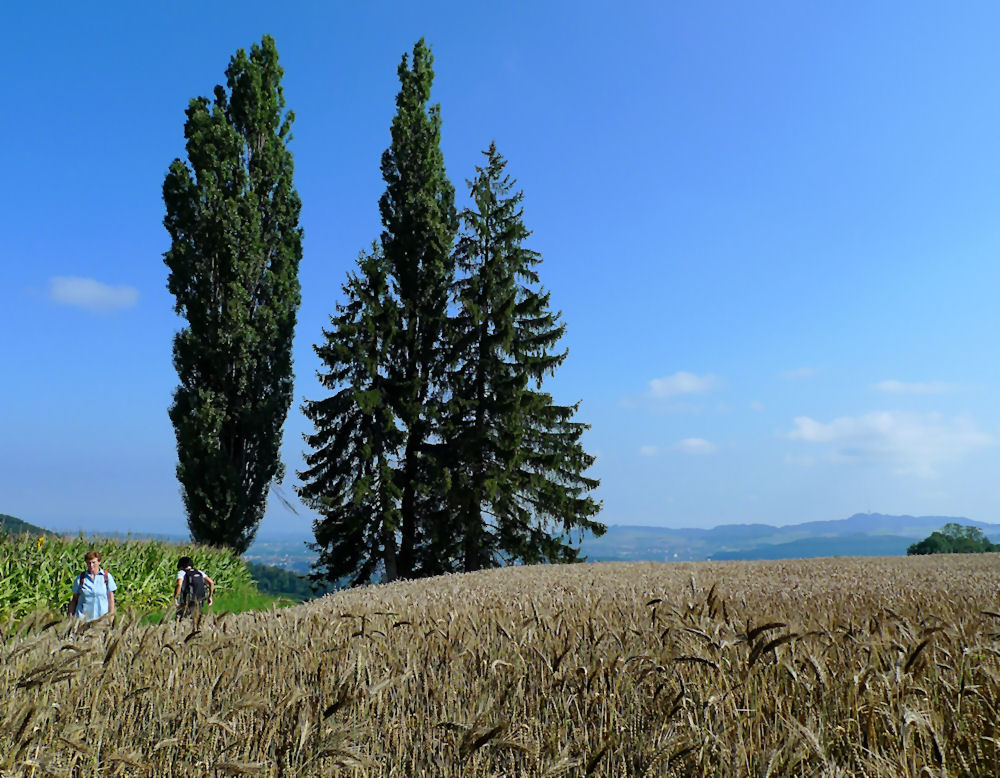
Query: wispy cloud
[649, 451]
[904, 387]
[695, 446]
[913, 443]
[91, 295]
[799, 373]
[681, 383]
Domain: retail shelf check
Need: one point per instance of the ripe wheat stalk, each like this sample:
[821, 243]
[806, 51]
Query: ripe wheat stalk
[821, 667]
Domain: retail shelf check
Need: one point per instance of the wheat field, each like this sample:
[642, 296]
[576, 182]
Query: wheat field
[836, 667]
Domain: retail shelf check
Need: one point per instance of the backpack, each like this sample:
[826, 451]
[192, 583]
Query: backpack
[193, 588]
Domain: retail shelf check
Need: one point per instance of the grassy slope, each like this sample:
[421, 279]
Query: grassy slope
[807, 667]
[15, 526]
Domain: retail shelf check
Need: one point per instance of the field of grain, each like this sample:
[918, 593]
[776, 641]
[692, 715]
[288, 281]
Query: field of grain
[839, 667]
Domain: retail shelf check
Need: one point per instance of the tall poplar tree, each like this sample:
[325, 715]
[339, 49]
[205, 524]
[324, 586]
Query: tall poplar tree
[518, 490]
[371, 474]
[419, 222]
[233, 218]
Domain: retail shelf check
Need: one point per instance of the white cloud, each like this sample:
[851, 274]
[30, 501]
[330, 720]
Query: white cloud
[695, 446]
[757, 406]
[799, 373]
[913, 443]
[903, 387]
[649, 451]
[681, 383]
[91, 295]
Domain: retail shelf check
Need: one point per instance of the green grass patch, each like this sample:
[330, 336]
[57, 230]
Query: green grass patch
[237, 600]
[248, 599]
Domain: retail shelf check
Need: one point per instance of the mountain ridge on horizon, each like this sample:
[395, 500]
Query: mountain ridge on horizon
[862, 534]
[853, 519]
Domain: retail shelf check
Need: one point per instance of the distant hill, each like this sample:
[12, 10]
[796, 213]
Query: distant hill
[13, 526]
[806, 548]
[863, 534]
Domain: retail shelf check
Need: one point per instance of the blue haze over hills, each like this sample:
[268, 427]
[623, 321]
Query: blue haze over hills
[863, 534]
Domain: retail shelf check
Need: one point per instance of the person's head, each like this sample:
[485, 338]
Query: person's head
[184, 563]
[93, 560]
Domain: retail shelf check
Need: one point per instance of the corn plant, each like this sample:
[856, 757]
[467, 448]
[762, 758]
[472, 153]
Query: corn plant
[37, 573]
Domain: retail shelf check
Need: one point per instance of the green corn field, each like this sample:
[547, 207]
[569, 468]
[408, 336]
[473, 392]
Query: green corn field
[37, 572]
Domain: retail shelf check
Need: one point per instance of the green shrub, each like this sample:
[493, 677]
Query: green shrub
[954, 538]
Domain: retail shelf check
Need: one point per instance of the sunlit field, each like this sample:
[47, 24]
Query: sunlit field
[838, 667]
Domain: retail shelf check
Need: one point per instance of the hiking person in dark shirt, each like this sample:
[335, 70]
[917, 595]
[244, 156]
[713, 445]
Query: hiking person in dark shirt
[193, 589]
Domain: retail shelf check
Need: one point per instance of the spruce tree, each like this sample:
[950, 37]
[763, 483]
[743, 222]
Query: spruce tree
[518, 490]
[350, 476]
[233, 218]
[419, 223]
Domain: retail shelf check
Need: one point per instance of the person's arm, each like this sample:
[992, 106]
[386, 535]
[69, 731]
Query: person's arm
[76, 597]
[177, 590]
[109, 582]
[211, 588]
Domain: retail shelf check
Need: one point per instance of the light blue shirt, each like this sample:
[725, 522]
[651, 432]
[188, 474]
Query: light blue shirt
[93, 601]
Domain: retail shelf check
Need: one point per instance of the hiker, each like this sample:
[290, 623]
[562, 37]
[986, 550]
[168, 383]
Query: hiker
[189, 588]
[93, 591]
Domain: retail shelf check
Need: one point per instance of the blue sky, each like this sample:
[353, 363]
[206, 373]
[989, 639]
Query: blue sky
[772, 230]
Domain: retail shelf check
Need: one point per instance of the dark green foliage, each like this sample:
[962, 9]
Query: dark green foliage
[368, 474]
[516, 462]
[11, 525]
[233, 215]
[419, 222]
[279, 582]
[350, 479]
[954, 538]
[437, 450]
[935, 543]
